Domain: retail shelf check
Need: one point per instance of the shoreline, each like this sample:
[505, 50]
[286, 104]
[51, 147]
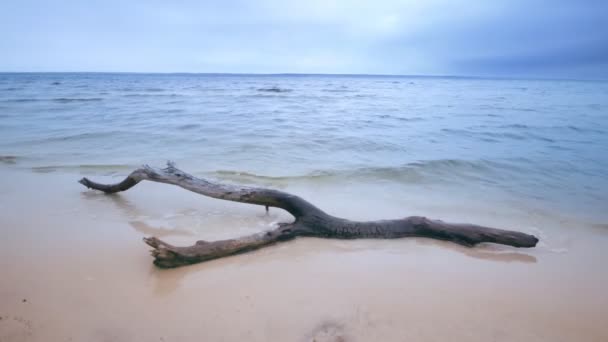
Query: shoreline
[77, 259]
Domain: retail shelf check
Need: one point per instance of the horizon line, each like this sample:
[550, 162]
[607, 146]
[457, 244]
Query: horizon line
[530, 78]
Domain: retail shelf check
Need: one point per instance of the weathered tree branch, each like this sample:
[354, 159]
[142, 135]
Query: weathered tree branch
[171, 175]
[309, 221]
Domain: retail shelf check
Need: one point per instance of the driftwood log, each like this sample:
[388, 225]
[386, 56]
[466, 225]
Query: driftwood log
[309, 221]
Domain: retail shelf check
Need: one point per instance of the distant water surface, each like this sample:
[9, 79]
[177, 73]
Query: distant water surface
[536, 141]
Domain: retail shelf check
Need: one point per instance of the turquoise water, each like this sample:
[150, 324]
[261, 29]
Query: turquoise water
[538, 141]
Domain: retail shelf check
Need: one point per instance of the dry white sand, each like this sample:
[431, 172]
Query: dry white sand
[73, 268]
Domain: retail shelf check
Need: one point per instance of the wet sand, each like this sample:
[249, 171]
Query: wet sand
[74, 269]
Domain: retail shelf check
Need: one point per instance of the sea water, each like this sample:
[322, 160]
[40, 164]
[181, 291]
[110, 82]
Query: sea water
[537, 143]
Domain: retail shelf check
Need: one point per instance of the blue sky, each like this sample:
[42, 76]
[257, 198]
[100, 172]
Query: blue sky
[506, 38]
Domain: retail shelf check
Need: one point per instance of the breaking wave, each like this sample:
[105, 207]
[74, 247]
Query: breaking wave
[415, 172]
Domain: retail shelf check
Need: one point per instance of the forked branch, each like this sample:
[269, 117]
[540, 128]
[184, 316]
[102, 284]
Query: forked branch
[309, 221]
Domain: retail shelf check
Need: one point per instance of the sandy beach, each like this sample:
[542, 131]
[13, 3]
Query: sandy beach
[441, 168]
[74, 268]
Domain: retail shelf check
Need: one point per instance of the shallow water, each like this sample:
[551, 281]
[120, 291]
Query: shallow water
[543, 142]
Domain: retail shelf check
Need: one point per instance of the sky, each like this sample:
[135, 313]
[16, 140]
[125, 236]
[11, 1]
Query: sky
[502, 38]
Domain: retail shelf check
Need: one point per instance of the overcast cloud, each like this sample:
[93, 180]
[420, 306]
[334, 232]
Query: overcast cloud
[513, 38]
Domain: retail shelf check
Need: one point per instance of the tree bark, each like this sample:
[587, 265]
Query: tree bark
[309, 221]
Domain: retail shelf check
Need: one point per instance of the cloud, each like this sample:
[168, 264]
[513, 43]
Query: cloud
[536, 38]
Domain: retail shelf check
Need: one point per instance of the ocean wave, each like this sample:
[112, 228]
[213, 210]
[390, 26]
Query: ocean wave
[497, 136]
[506, 108]
[151, 95]
[9, 159]
[24, 100]
[578, 129]
[517, 126]
[82, 136]
[564, 128]
[59, 100]
[275, 90]
[400, 118]
[76, 99]
[339, 90]
[188, 126]
[415, 172]
[111, 168]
